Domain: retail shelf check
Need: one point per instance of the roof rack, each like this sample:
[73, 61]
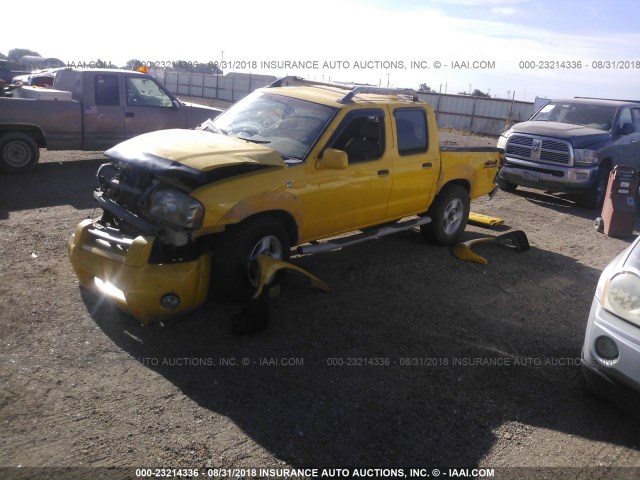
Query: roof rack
[612, 99]
[353, 90]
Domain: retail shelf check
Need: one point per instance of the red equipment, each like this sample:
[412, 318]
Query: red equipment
[618, 215]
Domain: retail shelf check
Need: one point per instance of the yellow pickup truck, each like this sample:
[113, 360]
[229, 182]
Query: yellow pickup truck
[291, 164]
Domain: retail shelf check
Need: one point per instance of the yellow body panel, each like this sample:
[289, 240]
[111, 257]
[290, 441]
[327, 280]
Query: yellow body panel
[479, 168]
[319, 202]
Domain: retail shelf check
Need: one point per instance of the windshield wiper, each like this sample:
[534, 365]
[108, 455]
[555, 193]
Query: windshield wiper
[254, 140]
[290, 158]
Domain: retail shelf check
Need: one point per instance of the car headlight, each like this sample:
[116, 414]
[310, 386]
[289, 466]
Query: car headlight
[176, 208]
[585, 157]
[622, 296]
[502, 142]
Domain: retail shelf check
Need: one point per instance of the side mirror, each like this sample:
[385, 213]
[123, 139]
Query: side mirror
[627, 128]
[176, 104]
[333, 159]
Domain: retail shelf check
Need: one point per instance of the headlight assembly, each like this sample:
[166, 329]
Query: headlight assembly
[176, 208]
[622, 296]
[585, 157]
[502, 142]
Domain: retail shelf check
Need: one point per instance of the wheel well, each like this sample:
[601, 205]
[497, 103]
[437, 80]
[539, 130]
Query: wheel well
[463, 183]
[285, 217]
[32, 131]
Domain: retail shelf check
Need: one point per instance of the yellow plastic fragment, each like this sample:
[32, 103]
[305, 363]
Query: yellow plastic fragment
[269, 266]
[487, 220]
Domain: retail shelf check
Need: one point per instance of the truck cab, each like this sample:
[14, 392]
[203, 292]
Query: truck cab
[122, 104]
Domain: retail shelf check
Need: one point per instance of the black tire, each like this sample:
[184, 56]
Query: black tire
[594, 198]
[599, 224]
[588, 381]
[19, 153]
[234, 271]
[505, 184]
[449, 215]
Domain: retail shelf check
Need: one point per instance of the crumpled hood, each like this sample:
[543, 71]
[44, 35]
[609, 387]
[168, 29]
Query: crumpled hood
[197, 149]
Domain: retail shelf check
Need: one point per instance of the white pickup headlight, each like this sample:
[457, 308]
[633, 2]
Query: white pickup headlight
[622, 296]
[176, 208]
[585, 157]
[502, 142]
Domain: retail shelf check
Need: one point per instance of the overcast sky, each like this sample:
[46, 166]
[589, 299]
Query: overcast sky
[546, 48]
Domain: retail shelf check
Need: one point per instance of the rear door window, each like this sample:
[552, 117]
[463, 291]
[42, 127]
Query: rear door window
[107, 90]
[411, 126]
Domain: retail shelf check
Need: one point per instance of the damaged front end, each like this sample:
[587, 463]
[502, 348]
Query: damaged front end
[140, 253]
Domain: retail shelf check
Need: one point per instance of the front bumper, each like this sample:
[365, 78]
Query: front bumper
[119, 269]
[550, 177]
[625, 370]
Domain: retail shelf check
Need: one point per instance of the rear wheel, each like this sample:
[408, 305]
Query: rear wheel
[235, 266]
[18, 153]
[449, 215]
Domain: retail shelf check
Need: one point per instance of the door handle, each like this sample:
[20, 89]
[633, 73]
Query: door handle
[383, 172]
[427, 165]
[129, 114]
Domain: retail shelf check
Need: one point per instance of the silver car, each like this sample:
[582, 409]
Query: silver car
[611, 350]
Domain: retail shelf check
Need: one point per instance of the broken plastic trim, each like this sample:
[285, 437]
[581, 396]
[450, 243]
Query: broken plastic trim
[516, 240]
[269, 266]
[158, 166]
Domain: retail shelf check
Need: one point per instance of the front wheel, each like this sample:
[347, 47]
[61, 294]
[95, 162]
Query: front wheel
[18, 153]
[599, 225]
[449, 215]
[594, 198]
[505, 185]
[235, 267]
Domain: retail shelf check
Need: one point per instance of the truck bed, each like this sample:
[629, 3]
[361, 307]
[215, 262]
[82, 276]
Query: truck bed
[60, 119]
[463, 162]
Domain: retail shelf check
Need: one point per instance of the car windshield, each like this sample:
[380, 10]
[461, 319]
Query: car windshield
[288, 125]
[594, 116]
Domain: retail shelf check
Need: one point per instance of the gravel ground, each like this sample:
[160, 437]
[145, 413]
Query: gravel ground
[415, 359]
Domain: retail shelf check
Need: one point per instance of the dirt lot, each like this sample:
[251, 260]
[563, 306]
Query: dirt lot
[495, 349]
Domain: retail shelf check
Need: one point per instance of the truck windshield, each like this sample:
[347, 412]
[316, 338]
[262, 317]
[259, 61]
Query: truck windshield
[594, 116]
[288, 125]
